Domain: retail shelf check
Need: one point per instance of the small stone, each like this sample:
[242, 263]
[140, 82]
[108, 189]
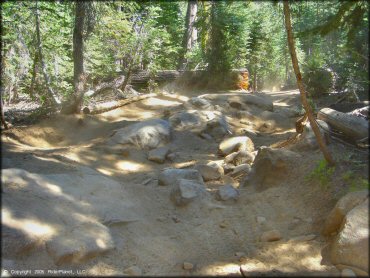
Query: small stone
[233, 144]
[186, 191]
[188, 266]
[228, 192]
[176, 219]
[272, 235]
[210, 171]
[224, 224]
[240, 254]
[172, 156]
[133, 270]
[158, 155]
[260, 219]
[348, 273]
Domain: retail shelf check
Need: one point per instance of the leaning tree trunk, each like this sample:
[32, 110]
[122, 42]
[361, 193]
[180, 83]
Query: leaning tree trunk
[53, 97]
[78, 61]
[297, 72]
[190, 35]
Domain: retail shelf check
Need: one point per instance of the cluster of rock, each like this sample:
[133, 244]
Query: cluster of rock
[347, 227]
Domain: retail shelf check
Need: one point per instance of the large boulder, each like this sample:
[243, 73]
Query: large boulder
[351, 246]
[200, 103]
[262, 101]
[343, 206]
[270, 167]
[145, 135]
[171, 176]
[186, 191]
[211, 122]
[239, 143]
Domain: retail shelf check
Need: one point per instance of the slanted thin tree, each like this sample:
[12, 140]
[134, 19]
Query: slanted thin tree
[302, 92]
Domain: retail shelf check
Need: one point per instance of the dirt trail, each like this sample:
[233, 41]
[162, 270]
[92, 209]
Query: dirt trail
[206, 234]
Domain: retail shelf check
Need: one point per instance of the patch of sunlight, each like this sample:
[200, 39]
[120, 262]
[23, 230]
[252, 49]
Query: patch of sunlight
[104, 171]
[221, 269]
[180, 97]
[73, 157]
[31, 227]
[100, 243]
[129, 166]
[281, 104]
[161, 102]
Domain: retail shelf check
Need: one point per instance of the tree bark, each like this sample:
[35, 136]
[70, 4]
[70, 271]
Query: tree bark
[34, 72]
[297, 72]
[53, 97]
[2, 114]
[191, 34]
[78, 60]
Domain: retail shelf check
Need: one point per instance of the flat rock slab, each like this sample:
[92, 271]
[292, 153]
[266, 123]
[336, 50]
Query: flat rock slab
[171, 176]
[67, 213]
[229, 145]
[145, 135]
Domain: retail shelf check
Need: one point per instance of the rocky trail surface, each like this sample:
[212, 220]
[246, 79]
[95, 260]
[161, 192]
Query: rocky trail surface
[178, 184]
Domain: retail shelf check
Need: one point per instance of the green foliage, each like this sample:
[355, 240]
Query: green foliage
[354, 182]
[231, 34]
[321, 173]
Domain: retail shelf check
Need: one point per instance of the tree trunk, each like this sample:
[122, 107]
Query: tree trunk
[297, 72]
[254, 87]
[191, 34]
[78, 60]
[53, 97]
[34, 72]
[2, 114]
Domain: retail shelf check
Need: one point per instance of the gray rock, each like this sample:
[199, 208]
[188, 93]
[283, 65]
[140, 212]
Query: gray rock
[228, 192]
[273, 235]
[343, 206]
[351, 246]
[260, 219]
[186, 191]
[242, 169]
[158, 155]
[80, 243]
[270, 167]
[145, 135]
[211, 122]
[66, 213]
[171, 176]
[188, 120]
[206, 136]
[200, 103]
[232, 144]
[210, 171]
[262, 101]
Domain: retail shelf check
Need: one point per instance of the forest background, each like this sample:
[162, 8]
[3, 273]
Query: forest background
[40, 51]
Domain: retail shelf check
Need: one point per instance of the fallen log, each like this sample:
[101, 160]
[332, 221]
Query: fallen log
[111, 105]
[114, 84]
[349, 125]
